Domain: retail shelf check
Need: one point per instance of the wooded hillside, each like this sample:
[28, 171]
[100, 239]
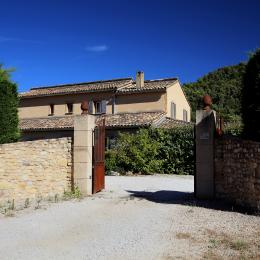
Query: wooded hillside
[224, 85]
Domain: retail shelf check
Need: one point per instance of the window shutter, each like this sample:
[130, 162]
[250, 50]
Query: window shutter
[103, 106]
[113, 105]
[90, 107]
[173, 110]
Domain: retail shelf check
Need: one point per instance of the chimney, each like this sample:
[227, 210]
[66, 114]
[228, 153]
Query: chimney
[139, 79]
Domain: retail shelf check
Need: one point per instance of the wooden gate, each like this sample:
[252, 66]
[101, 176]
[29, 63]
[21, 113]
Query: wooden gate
[98, 176]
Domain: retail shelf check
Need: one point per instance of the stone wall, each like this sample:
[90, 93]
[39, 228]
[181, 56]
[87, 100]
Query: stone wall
[35, 169]
[237, 171]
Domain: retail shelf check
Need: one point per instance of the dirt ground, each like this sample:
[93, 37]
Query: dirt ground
[145, 217]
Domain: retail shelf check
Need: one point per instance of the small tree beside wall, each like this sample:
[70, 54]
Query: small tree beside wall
[9, 131]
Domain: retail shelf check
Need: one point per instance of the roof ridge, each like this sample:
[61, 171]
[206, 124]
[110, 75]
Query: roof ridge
[81, 83]
[163, 79]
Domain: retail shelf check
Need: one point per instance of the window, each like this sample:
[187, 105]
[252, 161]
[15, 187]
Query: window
[173, 110]
[51, 110]
[100, 107]
[113, 105]
[185, 115]
[97, 106]
[69, 108]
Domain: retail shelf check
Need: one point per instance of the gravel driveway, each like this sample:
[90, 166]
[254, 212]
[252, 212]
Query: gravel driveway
[148, 217]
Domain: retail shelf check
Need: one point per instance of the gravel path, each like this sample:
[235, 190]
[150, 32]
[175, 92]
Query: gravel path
[148, 217]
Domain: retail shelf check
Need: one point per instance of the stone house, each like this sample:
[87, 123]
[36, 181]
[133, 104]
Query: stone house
[127, 104]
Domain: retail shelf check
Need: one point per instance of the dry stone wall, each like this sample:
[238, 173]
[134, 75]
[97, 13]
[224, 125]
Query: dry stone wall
[237, 171]
[35, 169]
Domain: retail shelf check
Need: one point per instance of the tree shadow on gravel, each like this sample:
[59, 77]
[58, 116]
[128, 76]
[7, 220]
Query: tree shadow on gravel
[188, 199]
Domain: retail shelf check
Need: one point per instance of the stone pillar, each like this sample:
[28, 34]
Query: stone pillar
[82, 152]
[205, 132]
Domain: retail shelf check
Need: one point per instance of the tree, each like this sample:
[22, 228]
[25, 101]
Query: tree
[5, 73]
[224, 85]
[9, 131]
[251, 98]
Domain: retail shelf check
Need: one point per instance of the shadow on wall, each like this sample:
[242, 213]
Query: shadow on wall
[188, 199]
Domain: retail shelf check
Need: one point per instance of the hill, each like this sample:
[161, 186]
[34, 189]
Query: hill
[224, 85]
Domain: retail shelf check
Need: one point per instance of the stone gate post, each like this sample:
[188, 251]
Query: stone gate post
[205, 132]
[82, 152]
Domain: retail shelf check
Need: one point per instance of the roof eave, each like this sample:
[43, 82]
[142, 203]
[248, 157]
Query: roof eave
[46, 129]
[67, 93]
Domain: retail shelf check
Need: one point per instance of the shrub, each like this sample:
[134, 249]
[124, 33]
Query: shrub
[153, 150]
[178, 150]
[111, 161]
[234, 127]
[251, 98]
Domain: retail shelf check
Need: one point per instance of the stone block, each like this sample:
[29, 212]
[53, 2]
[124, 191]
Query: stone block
[82, 170]
[83, 154]
[86, 122]
[83, 138]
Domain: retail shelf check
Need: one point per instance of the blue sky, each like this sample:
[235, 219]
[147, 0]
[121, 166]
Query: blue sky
[64, 41]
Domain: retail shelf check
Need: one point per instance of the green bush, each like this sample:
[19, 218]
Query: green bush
[111, 161]
[251, 98]
[153, 150]
[233, 127]
[178, 150]
[8, 112]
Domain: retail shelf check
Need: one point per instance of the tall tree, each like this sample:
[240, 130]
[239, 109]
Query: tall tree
[251, 98]
[9, 131]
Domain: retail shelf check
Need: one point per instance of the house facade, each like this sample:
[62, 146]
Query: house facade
[125, 103]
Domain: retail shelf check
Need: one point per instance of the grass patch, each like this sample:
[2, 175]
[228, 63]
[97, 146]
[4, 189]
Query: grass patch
[239, 245]
[221, 245]
[182, 235]
[213, 243]
[76, 194]
[210, 254]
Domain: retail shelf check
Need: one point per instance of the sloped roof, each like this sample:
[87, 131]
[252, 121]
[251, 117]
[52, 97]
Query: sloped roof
[149, 85]
[120, 86]
[47, 123]
[131, 119]
[67, 122]
[167, 122]
[105, 85]
[156, 119]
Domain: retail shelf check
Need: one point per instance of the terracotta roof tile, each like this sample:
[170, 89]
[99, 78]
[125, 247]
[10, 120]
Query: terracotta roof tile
[149, 85]
[47, 123]
[121, 86]
[77, 88]
[67, 122]
[131, 119]
[168, 122]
